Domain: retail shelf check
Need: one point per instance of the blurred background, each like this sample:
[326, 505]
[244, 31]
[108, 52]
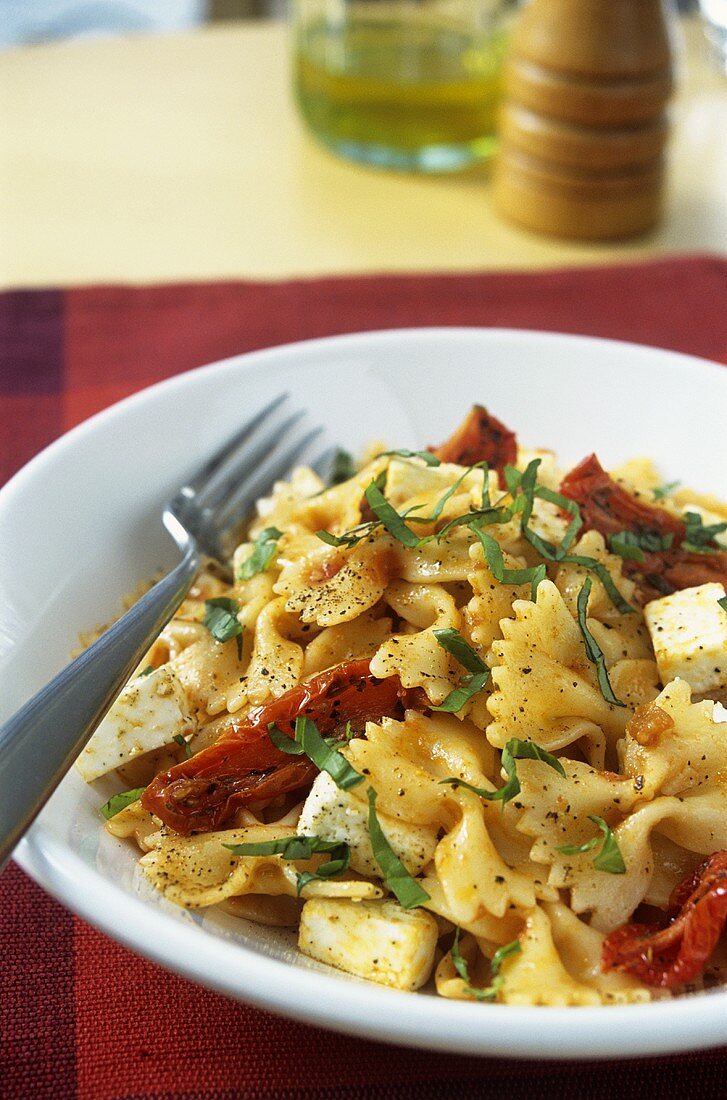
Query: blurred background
[43, 20]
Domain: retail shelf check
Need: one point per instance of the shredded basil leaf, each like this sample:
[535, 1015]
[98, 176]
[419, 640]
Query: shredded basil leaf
[439, 506]
[336, 865]
[478, 672]
[600, 571]
[146, 671]
[625, 545]
[388, 515]
[426, 456]
[343, 468]
[524, 503]
[497, 978]
[632, 544]
[515, 749]
[567, 505]
[496, 562]
[282, 742]
[454, 782]
[593, 649]
[700, 536]
[220, 618]
[609, 858]
[266, 545]
[119, 802]
[723, 603]
[466, 690]
[461, 650]
[662, 491]
[300, 847]
[289, 847]
[403, 886]
[321, 751]
[184, 744]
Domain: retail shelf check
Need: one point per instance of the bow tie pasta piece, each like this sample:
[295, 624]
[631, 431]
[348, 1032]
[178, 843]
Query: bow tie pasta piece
[570, 578]
[674, 744]
[411, 484]
[276, 662]
[418, 659]
[696, 823]
[475, 878]
[491, 601]
[546, 689]
[442, 744]
[305, 503]
[198, 871]
[556, 962]
[442, 561]
[350, 641]
[555, 810]
[536, 975]
[335, 586]
[579, 947]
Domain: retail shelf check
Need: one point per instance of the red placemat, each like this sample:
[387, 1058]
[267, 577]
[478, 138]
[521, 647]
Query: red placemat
[83, 1017]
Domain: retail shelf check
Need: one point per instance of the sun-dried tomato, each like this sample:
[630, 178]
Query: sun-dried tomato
[480, 438]
[607, 507]
[243, 765]
[678, 953]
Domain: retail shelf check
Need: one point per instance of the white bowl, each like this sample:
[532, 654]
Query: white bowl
[79, 528]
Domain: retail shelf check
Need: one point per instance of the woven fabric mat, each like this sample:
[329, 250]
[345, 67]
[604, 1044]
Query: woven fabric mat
[81, 1016]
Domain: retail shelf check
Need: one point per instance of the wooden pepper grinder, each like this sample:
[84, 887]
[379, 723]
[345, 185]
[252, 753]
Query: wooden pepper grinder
[583, 126]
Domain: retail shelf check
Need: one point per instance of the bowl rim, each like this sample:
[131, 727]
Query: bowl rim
[311, 996]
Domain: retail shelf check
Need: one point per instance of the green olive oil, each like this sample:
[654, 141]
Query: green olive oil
[400, 93]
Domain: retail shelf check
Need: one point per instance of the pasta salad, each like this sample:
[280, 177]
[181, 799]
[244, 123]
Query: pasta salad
[455, 716]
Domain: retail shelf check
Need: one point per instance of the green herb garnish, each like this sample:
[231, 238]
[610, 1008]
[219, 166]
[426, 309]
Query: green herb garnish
[343, 468]
[300, 847]
[701, 536]
[220, 618]
[593, 649]
[515, 749]
[723, 603]
[146, 671]
[609, 858]
[119, 802]
[183, 743]
[427, 457]
[632, 544]
[493, 553]
[321, 751]
[662, 491]
[523, 487]
[387, 514]
[478, 672]
[497, 978]
[266, 545]
[403, 886]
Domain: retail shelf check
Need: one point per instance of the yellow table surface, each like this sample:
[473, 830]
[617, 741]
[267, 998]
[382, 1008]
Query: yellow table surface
[154, 159]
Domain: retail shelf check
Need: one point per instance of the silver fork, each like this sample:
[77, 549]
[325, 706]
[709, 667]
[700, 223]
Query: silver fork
[39, 744]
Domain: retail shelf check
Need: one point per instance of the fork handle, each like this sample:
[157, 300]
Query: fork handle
[63, 715]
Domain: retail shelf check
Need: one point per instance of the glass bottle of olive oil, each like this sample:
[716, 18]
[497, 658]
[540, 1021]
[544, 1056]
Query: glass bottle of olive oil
[408, 84]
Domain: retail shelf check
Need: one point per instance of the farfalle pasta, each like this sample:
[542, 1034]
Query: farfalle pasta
[427, 717]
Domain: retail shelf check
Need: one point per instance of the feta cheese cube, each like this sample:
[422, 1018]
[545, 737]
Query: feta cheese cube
[377, 940]
[336, 815]
[148, 714]
[689, 633]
